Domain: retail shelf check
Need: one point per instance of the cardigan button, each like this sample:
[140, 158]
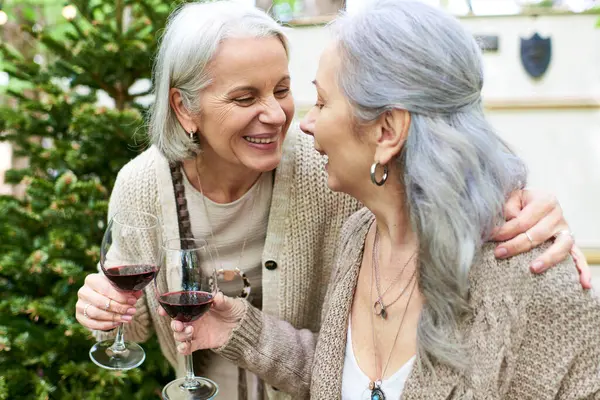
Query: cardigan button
[270, 265]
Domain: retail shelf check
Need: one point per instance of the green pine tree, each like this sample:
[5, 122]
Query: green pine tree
[50, 236]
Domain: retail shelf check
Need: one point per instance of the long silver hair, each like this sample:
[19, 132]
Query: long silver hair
[456, 171]
[191, 39]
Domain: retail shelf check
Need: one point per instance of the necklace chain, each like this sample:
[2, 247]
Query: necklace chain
[375, 385]
[212, 235]
[381, 311]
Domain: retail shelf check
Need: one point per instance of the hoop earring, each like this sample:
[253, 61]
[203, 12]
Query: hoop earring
[374, 170]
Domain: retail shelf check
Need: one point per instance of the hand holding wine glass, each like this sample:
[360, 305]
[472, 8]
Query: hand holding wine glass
[186, 292]
[129, 259]
[105, 306]
[213, 329]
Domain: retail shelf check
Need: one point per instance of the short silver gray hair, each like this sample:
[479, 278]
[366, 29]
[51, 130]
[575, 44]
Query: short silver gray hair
[192, 37]
[457, 173]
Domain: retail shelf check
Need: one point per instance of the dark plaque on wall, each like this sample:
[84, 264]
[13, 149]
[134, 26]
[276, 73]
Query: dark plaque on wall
[536, 53]
[487, 43]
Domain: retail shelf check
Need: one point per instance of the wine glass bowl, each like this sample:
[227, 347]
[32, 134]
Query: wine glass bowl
[186, 306]
[129, 258]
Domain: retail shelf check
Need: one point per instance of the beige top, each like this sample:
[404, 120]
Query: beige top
[528, 337]
[243, 220]
[305, 218]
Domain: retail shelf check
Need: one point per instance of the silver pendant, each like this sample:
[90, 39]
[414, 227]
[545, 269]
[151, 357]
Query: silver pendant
[379, 309]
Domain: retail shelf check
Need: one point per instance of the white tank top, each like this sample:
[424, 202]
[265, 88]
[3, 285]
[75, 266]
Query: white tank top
[355, 383]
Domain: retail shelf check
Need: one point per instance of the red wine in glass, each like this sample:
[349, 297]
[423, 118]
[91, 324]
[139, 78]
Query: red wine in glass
[129, 258]
[186, 306]
[130, 278]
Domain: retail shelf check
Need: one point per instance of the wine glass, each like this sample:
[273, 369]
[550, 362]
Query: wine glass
[186, 291]
[129, 258]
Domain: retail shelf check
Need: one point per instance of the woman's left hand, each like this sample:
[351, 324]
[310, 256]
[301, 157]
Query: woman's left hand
[539, 217]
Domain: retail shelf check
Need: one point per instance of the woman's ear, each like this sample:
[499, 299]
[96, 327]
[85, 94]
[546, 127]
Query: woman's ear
[183, 115]
[391, 133]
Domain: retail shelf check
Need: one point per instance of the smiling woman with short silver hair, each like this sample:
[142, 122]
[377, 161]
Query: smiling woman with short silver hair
[224, 167]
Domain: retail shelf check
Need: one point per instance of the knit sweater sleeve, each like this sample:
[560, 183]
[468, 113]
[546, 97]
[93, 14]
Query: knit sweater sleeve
[274, 350]
[135, 189]
[559, 357]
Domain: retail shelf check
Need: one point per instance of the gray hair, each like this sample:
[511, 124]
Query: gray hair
[456, 172]
[190, 41]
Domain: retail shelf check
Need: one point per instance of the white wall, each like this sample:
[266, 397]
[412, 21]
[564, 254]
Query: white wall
[5, 163]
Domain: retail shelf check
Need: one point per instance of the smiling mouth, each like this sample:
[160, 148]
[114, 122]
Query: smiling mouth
[260, 140]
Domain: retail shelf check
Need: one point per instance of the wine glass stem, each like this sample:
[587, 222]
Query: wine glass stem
[190, 377]
[119, 344]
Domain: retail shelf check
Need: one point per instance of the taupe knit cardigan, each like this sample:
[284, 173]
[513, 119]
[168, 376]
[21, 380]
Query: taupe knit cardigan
[529, 336]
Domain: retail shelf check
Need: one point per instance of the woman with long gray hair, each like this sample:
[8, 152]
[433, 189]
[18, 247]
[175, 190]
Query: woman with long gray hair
[418, 307]
[224, 168]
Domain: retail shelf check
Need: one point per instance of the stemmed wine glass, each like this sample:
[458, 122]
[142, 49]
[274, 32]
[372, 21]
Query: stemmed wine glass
[129, 258]
[186, 291]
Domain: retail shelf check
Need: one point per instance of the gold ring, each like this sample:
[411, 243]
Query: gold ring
[107, 306]
[85, 314]
[529, 237]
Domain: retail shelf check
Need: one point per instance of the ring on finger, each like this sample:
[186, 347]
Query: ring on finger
[85, 313]
[529, 237]
[107, 306]
[564, 232]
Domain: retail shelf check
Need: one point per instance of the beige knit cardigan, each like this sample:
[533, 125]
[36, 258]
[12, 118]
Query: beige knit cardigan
[529, 336]
[304, 222]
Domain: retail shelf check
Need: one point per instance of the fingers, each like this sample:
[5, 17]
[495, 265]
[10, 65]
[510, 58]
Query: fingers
[177, 326]
[184, 348]
[83, 313]
[585, 273]
[539, 233]
[554, 255]
[535, 209]
[513, 205]
[100, 306]
[91, 316]
[99, 283]
[88, 295]
[185, 334]
[162, 312]
[221, 302]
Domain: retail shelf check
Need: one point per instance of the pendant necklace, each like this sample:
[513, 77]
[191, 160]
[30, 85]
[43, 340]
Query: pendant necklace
[229, 275]
[379, 308]
[375, 386]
